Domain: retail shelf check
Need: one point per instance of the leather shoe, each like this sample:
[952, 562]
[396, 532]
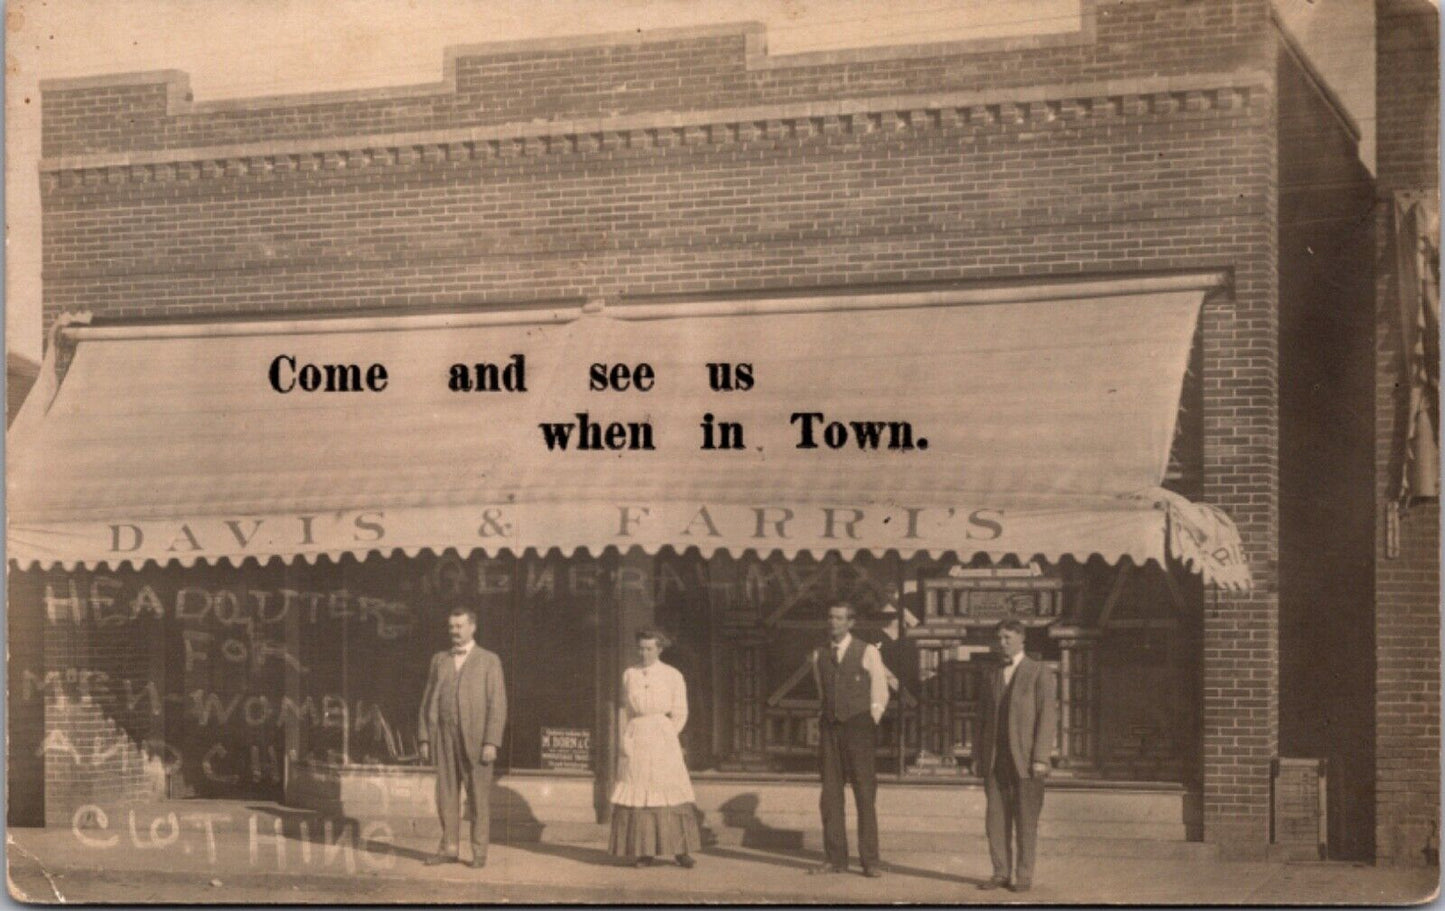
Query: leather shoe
[872, 872]
[994, 883]
[686, 861]
[824, 868]
[1021, 887]
[477, 863]
[439, 858]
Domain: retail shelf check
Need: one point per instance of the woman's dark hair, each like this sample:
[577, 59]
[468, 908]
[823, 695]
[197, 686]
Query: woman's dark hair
[656, 635]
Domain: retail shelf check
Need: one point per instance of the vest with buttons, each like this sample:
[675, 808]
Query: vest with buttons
[847, 691]
[449, 684]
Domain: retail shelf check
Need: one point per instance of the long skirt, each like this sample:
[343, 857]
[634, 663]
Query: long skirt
[654, 831]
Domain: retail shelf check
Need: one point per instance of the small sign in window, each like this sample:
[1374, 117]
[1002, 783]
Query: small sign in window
[567, 748]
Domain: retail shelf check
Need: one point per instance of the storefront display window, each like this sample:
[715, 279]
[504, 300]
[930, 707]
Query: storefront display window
[326, 663]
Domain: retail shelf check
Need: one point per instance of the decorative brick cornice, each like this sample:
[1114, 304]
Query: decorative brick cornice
[1021, 105]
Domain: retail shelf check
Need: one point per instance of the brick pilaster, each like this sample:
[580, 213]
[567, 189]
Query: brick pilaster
[1241, 476]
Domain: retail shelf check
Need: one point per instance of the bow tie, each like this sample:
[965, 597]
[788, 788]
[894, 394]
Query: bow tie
[459, 650]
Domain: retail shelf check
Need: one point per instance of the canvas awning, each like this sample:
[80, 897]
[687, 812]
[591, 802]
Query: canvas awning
[1041, 420]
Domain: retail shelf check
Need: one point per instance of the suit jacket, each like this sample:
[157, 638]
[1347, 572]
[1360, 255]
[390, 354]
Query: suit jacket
[481, 695]
[1033, 714]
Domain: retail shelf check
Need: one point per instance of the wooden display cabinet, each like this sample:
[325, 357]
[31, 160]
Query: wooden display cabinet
[954, 640]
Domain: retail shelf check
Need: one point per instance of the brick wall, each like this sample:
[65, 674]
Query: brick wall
[1407, 592]
[1407, 87]
[1407, 587]
[1241, 475]
[1148, 147]
[989, 193]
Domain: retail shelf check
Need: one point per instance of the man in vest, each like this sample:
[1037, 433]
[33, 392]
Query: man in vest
[853, 684]
[1020, 712]
[463, 713]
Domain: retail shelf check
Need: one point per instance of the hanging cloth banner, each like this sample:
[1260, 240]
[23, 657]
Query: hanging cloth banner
[1417, 258]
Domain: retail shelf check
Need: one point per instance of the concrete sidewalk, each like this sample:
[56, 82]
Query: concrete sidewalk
[230, 852]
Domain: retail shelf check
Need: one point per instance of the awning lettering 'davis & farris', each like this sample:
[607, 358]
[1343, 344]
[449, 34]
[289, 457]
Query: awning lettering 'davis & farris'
[568, 527]
[1048, 414]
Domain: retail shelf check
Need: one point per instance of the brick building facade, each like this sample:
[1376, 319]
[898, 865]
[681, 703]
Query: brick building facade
[1163, 137]
[1407, 570]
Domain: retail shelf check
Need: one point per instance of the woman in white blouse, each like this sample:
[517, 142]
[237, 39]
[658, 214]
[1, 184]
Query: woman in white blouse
[653, 806]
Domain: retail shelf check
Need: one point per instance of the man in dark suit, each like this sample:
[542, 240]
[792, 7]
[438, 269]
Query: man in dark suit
[463, 714]
[853, 684]
[1020, 712]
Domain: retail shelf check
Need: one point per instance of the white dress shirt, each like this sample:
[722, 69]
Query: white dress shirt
[877, 674]
[460, 658]
[1013, 665]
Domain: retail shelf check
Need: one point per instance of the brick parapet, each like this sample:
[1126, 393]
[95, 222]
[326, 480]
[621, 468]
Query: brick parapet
[582, 80]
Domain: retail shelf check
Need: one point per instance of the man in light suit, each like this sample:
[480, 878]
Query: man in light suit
[463, 713]
[1020, 711]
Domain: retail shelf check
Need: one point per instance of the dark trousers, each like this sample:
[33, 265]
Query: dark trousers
[454, 774]
[1012, 818]
[845, 751]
